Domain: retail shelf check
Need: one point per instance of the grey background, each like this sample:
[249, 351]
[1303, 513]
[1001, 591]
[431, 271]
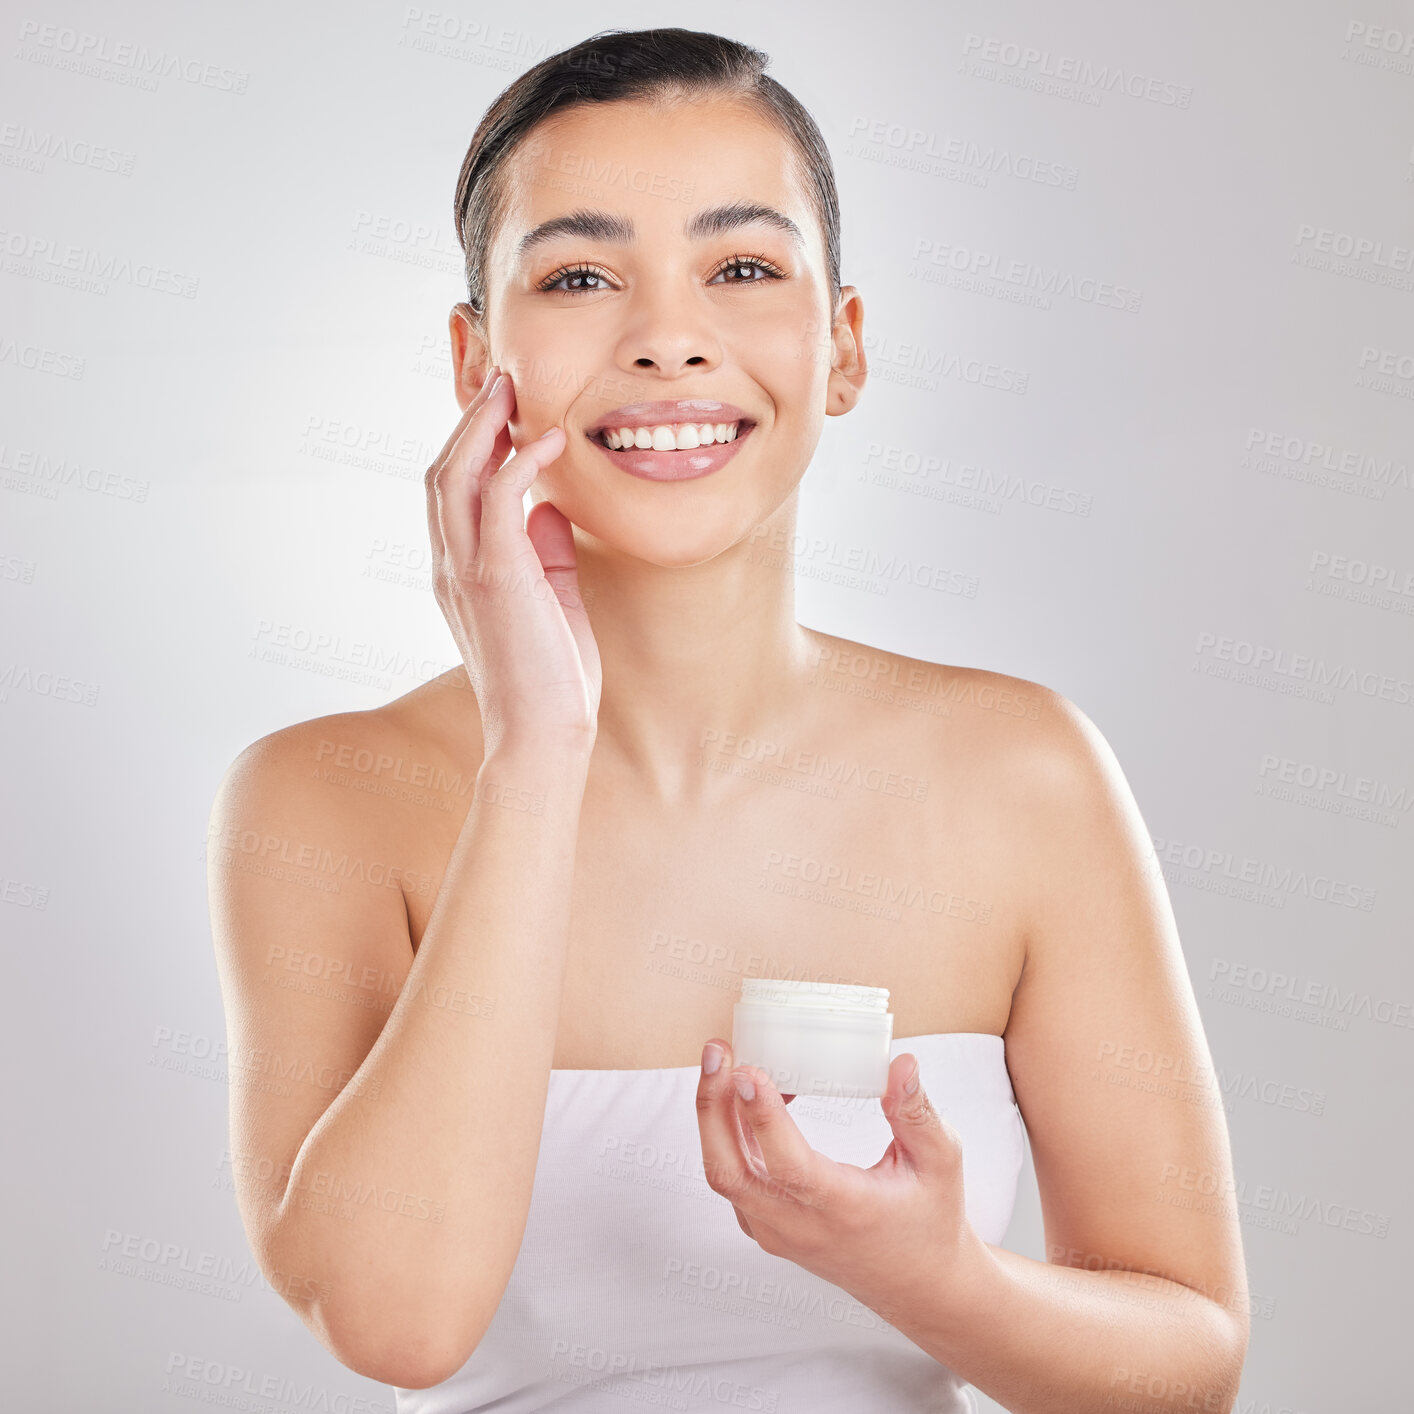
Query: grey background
[188, 473]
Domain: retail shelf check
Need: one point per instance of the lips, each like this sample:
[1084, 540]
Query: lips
[686, 463]
[671, 411]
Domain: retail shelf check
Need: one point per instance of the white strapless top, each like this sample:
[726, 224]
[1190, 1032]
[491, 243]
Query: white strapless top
[635, 1283]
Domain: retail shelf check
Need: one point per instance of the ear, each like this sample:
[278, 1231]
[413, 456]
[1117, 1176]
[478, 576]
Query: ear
[848, 370]
[471, 353]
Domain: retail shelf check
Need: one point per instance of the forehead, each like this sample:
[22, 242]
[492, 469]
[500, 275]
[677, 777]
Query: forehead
[655, 163]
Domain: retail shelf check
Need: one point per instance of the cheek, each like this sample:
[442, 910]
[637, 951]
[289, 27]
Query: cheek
[547, 375]
[792, 350]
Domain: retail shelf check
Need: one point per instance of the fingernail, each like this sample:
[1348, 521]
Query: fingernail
[910, 1086]
[745, 1086]
[711, 1059]
[497, 385]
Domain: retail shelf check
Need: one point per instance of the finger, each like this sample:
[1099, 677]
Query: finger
[550, 532]
[920, 1135]
[503, 491]
[792, 1165]
[724, 1159]
[469, 411]
[552, 535]
[484, 441]
[434, 527]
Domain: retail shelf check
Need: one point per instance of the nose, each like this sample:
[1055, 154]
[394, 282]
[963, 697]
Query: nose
[669, 331]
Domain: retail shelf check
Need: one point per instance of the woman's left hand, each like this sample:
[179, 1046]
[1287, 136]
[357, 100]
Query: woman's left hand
[885, 1234]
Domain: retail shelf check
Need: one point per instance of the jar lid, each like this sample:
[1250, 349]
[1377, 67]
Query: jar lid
[833, 996]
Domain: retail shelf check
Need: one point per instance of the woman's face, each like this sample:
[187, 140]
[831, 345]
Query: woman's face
[642, 309]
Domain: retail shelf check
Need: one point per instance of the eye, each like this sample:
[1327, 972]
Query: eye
[579, 276]
[748, 262]
[573, 272]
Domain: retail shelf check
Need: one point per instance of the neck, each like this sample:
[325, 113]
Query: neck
[694, 655]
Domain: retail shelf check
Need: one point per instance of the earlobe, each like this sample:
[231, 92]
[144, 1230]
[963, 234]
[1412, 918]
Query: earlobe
[849, 370]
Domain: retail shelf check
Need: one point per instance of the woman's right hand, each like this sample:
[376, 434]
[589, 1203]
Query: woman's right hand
[507, 583]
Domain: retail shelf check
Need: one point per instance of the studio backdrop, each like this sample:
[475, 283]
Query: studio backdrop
[1138, 426]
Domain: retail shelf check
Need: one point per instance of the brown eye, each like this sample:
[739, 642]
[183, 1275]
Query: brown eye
[574, 272]
[747, 262]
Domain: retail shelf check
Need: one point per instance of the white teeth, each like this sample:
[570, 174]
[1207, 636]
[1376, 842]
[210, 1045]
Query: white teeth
[670, 437]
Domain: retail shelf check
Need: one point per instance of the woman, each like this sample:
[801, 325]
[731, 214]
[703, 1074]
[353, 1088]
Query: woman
[495, 929]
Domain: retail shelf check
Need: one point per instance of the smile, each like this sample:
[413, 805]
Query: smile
[672, 451]
[669, 437]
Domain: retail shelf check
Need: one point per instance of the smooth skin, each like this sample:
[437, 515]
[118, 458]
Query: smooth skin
[653, 314]
[620, 640]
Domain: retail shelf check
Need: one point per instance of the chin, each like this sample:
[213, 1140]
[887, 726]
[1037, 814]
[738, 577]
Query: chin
[666, 538]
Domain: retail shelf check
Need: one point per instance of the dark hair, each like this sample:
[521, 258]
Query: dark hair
[617, 66]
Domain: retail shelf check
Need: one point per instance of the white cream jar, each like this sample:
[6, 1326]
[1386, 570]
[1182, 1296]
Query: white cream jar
[815, 1038]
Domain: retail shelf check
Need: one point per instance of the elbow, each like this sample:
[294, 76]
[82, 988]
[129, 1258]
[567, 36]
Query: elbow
[413, 1363]
[390, 1343]
[388, 1350]
[1242, 1334]
[375, 1333]
[1236, 1330]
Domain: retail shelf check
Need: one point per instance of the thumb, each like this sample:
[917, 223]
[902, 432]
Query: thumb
[550, 532]
[920, 1133]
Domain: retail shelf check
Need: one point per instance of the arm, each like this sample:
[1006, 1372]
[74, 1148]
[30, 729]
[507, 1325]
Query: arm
[394, 1209]
[1143, 1300]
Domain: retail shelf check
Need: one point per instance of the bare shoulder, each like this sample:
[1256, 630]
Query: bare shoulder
[973, 717]
[362, 764]
[1035, 777]
[1103, 975]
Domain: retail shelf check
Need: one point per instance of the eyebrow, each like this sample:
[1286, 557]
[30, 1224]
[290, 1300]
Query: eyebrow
[619, 230]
